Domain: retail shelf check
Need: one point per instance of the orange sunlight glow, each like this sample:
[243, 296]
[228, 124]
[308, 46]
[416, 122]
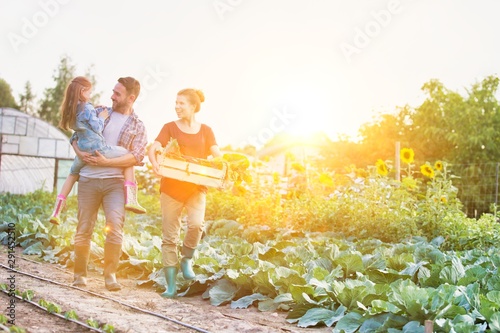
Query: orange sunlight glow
[315, 109]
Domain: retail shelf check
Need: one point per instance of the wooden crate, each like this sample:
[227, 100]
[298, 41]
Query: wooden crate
[193, 172]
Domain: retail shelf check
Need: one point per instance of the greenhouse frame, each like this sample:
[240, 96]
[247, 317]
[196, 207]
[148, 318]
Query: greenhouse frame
[34, 155]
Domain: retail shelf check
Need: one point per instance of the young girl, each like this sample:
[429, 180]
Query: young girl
[79, 115]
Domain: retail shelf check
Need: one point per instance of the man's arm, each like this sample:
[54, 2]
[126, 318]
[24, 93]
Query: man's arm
[124, 161]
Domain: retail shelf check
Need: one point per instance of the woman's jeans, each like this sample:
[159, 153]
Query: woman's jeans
[171, 225]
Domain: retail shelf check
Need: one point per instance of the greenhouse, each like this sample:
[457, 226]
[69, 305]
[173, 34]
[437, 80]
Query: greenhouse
[34, 155]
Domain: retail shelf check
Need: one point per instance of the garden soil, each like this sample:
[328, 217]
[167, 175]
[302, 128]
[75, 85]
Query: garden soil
[133, 309]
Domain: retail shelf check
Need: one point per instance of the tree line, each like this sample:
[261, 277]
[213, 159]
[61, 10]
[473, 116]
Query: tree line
[47, 108]
[459, 129]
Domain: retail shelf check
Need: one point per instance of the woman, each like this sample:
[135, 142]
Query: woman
[196, 140]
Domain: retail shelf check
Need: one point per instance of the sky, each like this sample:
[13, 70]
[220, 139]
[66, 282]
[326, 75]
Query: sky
[265, 66]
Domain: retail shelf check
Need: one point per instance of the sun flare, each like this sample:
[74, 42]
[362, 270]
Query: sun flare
[313, 111]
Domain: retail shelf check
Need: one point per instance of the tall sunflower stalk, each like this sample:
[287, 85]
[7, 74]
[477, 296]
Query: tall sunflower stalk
[407, 156]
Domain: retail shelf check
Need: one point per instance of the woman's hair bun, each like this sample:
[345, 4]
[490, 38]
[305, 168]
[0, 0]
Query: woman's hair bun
[200, 94]
[194, 96]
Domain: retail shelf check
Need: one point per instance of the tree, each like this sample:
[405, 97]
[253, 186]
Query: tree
[433, 127]
[27, 100]
[95, 96]
[378, 138]
[460, 130]
[467, 135]
[6, 98]
[339, 156]
[446, 126]
[53, 97]
[479, 141]
[455, 128]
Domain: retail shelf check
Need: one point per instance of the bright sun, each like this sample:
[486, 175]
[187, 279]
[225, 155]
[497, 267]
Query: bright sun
[311, 111]
[311, 98]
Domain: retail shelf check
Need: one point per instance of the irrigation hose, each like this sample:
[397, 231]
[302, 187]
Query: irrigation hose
[55, 313]
[159, 315]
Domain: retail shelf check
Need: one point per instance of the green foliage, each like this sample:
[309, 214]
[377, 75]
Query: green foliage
[53, 97]
[148, 182]
[16, 329]
[28, 295]
[96, 95]
[6, 98]
[50, 104]
[379, 137]
[93, 323]
[108, 328]
[53, 308]
[435, 130]
[360, 205]
[27, 100]
[71, 314]
[348, 251]
[43, 303]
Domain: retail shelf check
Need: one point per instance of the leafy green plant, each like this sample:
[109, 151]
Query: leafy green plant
[28, 294]
[108, 328]
[16, 329]
[71, 314]
[93, 323]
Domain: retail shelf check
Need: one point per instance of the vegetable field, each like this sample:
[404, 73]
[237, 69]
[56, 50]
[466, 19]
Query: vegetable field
[351, 252]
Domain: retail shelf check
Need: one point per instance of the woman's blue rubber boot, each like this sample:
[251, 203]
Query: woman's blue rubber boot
[171, 277]
[187, 268]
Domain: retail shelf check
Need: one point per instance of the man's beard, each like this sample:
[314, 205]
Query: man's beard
[119, 106]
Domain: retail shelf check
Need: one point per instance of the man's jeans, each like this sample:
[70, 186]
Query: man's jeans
[92, 193]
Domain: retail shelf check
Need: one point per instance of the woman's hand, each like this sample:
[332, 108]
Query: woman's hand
[154, 165]
[156, 169]
[154, 149]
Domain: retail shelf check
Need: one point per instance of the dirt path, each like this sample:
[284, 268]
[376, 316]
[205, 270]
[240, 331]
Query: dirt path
[184, 314]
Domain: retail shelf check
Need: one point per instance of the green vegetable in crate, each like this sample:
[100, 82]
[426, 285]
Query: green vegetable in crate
[171, 150]
[237, 160]
[238, 165]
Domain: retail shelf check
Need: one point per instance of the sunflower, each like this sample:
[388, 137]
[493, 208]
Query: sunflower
[381, 168]
[439, 166]
[427, 171]
[407, 155]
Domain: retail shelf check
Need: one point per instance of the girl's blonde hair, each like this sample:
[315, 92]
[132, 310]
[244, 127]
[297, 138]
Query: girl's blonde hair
[73, 95]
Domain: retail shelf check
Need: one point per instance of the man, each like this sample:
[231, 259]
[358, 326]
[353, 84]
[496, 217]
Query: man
[102, 183]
